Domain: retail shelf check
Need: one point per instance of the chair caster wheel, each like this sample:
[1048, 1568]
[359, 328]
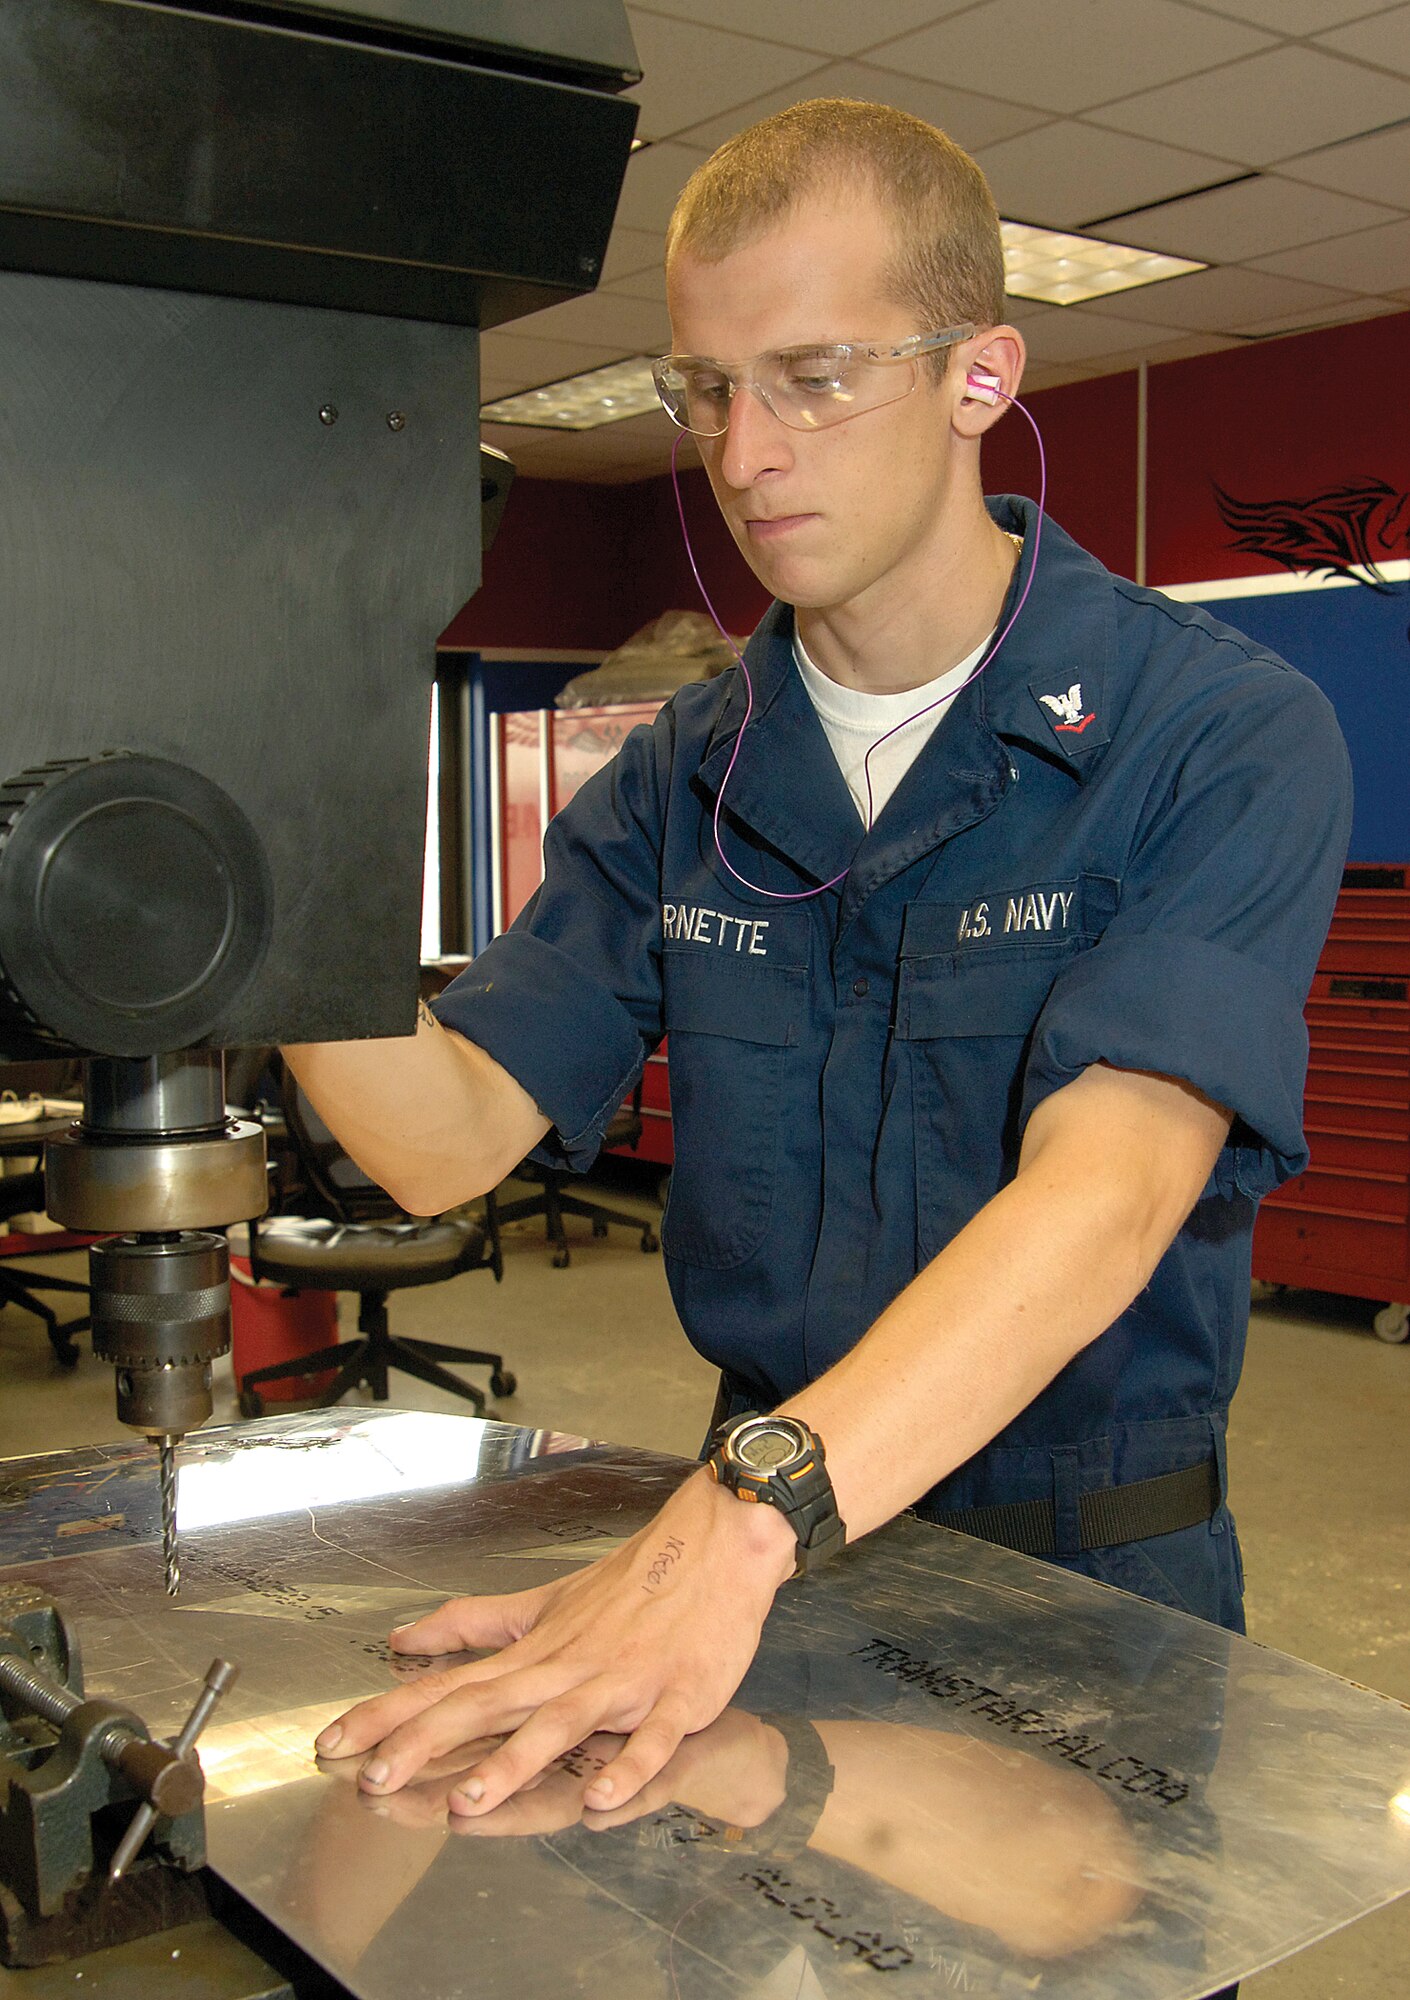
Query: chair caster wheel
[560, 1260]
[503, 1382]
[649, 1241]
[599, 1228]
[251, 1403]
[66, 1356]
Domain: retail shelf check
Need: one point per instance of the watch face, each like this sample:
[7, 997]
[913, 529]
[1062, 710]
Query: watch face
[768, 1447]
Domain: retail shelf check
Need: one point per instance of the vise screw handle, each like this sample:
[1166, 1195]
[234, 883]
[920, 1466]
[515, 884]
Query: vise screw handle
[220, 1677]
[163, 1776]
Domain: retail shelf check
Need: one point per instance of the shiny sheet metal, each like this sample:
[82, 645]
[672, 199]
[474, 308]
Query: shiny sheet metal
[1041, 1785]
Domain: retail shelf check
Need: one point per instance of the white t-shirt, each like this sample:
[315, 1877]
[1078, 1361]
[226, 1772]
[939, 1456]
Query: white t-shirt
[854, 721]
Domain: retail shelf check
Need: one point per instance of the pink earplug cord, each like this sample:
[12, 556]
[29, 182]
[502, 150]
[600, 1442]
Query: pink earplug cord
[991, 391]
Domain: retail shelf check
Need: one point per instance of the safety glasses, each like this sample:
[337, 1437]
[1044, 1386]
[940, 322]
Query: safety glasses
[806, 388]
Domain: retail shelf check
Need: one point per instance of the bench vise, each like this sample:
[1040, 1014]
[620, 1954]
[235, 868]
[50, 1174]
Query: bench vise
[82, 1785]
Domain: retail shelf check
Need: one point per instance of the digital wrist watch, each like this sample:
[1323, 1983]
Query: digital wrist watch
[779, 1462]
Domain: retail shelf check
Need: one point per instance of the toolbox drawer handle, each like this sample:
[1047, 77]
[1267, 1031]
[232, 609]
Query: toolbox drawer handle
[1368, 989]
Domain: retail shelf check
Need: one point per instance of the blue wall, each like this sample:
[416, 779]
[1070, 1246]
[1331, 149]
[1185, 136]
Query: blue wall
[1354, 643]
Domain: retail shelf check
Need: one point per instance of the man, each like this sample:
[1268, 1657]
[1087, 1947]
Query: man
[980, 1056]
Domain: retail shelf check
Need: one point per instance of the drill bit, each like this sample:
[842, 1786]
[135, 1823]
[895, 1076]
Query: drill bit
[171, 1563]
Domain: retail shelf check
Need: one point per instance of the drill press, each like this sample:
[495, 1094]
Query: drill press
[244, 269]
[156, 1160]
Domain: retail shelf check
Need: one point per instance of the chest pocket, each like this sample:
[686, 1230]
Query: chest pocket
[730, 1026]
[966, 1007]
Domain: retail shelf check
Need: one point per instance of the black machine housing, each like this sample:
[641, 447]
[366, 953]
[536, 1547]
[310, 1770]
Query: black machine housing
[245, 253]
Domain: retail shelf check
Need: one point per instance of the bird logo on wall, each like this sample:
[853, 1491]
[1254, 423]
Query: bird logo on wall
[1347, 530]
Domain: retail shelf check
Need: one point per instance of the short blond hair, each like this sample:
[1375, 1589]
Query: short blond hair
[949, 261]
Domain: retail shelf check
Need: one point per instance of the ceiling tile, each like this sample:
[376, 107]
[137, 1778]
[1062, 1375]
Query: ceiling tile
[1384, 40]
[832, 27]
[647, 284]
[633, 250]
[1071, 333]
[536, 455]
[1337, 315]
[1018, 311]
[654, 178]
[1054, 376]
[1063, 58]
[509, 363]
[1184, 349]
[970, 120]
[1251, 219]
[1265, 107]
[1218, 301]
[602, 319]
[1377, 167]
[1292, 17]
[1373, 260]
[638, 448]
[691, 73]
[1065, 173]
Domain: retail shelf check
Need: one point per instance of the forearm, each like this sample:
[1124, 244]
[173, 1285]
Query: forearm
[1043, 1269]
[430, 1117]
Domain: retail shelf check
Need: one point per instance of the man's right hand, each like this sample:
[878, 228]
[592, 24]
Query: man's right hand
[430, 1117]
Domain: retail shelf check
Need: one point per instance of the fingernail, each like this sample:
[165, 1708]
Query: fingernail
[404, 1628]
[377, 1772]
[328, 1742]
[601, 1788]
[470, 1793]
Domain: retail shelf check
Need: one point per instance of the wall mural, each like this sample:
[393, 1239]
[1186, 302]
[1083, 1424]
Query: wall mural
[1347, 530]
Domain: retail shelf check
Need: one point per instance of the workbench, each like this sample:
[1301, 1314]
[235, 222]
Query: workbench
[1018, 1781]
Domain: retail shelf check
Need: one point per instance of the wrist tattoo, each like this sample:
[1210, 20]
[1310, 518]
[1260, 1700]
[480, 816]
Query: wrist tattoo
[663, 1562]
[424, 1014]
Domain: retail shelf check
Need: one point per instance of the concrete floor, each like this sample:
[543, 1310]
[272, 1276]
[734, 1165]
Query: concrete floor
[1320, 1466]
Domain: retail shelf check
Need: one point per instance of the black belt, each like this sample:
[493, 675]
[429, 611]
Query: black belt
[1133, 1513]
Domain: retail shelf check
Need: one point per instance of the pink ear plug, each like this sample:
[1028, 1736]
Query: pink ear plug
[983, 387]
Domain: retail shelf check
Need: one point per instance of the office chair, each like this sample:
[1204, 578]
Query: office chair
[352, 1237]
[23, 1194]
[553, 1201]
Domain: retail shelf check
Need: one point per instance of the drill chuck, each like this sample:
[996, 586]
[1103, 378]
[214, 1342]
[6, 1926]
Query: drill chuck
[157, 1160]
[161, 1315]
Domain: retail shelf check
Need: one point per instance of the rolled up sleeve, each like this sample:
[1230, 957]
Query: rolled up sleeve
[568, 1000]
[1203, 972]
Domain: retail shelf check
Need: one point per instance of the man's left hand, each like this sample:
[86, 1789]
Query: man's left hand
[649, 1644]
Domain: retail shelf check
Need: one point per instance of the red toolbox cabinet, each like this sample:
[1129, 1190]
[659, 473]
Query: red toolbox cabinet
[1344, 1224]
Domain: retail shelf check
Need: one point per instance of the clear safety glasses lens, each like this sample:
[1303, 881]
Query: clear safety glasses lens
[807, 388]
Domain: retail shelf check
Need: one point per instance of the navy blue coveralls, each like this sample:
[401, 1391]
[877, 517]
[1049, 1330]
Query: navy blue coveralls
[1122, 844]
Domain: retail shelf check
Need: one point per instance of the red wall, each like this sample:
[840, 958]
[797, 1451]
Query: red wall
[554, 575]
[585, 566]
[1089, 441]
[1276, 419]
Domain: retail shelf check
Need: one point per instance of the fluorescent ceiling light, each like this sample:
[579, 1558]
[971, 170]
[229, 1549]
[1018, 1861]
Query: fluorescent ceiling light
[1062, 270]
[582, 402]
